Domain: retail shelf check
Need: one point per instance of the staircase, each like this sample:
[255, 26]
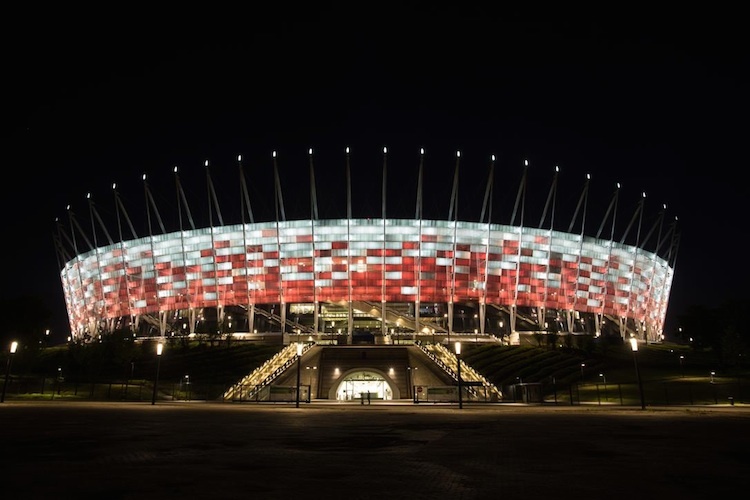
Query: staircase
[395, 317]
[250, 385]
[448, 361]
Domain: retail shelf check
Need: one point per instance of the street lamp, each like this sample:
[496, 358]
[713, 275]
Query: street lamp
[583, 365]
[458, 363]
[682, 369]
[634, 347]
[13, 348]
[299, 357]
[159, 350]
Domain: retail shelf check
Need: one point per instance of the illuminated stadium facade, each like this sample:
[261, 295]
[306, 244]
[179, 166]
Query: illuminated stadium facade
[330, 278]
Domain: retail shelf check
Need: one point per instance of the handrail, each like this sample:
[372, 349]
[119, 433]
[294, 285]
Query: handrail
[276, 365]
[466, 369]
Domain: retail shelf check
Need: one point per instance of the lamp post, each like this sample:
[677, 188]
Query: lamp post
[159, 350]
[458, 364]
[634, 347]
[583, 365]
[682, 368]
[448, 326]
[13, 348]
[299, 357]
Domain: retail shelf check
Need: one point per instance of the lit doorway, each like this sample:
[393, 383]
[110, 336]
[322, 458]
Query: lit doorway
[357, 385]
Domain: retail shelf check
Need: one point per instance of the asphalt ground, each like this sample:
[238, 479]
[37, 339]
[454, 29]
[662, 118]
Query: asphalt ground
[84, 450]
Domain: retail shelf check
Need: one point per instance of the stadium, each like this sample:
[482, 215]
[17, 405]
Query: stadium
[378, 280]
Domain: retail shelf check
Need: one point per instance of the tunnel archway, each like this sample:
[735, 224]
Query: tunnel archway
[356, 383]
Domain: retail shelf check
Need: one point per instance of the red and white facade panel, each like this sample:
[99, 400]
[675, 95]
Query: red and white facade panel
[366, 260]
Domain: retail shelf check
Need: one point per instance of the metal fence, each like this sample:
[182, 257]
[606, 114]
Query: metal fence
[47, 388]
[654, 393]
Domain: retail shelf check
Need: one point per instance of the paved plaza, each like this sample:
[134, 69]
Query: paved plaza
[391, 451]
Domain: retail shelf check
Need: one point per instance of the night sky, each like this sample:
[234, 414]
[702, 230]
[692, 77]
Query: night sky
[656, 103]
